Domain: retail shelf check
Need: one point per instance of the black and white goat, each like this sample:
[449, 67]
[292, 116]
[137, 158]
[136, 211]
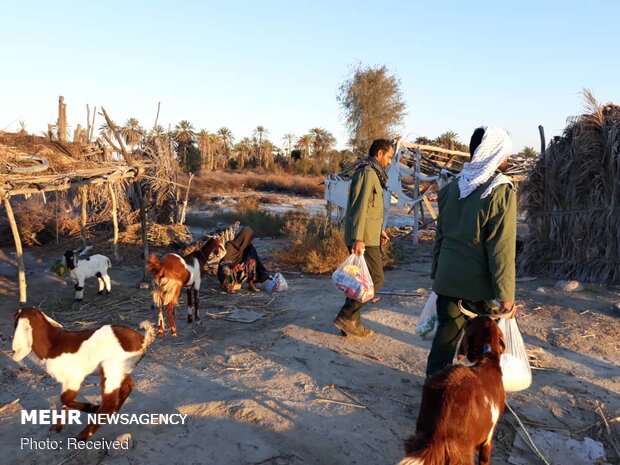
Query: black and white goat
[89, 267]
[70, 356]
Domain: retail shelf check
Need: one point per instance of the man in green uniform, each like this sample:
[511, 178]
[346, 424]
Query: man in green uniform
[474, 253]
[363, 228]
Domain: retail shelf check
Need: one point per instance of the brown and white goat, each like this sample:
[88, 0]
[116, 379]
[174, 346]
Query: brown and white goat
[70, 356]
[172, 274]
[461, 405]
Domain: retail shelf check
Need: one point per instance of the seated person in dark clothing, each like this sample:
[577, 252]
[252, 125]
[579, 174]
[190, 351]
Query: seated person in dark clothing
[241, 264]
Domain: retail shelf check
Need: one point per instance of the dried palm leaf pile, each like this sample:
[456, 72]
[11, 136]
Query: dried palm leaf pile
[158, 235]
[572, 200]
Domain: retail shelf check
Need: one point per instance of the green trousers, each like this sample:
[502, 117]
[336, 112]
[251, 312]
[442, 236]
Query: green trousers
[450, 324]
[351, 308]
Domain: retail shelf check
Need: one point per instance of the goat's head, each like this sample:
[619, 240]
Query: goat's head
[482, 335]
[214, 249]
[27, 321]
[70, 259]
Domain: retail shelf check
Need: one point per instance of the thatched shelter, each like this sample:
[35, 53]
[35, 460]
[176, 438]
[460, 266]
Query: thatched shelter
[572, 201]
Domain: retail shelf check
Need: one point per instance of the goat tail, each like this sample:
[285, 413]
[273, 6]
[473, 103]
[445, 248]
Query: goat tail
[109, 263]
[149, 334]
[421, 451]
[165, 291]
[153, 265]
[411, 461]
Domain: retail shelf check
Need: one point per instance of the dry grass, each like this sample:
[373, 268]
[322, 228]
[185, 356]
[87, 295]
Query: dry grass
[317, 246]
[220, 182]
[248, 213]
[572, 199]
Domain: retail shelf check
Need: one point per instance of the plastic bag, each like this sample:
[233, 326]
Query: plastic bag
[276, 283]
[353, 278]
[516, 372]
[428, 317]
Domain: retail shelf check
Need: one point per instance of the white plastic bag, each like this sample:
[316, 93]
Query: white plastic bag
[428, 317]
[353, 278]
[276, 283]
[516, 372]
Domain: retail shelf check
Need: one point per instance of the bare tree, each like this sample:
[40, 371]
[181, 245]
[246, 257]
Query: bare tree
[373, 105]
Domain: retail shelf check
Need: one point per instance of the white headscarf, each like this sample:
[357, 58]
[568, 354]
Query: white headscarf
[495, 146]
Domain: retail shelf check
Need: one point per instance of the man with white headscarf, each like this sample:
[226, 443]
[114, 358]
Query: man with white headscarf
[474, 253]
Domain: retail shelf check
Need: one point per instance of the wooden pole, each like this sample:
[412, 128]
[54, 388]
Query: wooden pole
[57, 208]
[184, 208]
[144, 224]
[87, 123]
[84, 199]
[114, 222]
[62, 119]
[92, 125]
[416, 195]
[21, 270]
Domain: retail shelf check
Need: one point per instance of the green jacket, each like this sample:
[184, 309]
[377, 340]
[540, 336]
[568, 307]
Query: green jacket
[364, 217]
[475, 246]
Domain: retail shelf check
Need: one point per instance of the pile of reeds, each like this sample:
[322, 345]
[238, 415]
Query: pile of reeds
[158, 235]
[572, 200]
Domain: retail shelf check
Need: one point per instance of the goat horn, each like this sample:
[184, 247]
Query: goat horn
[466, 312]
[493, 316]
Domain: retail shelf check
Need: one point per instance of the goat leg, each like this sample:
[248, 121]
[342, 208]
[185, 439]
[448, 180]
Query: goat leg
[108, 284]
[189, 304]
[79, 291]
[484, 452]
[170, 311]
[68, 401]
[109, 405]
[196, 309]
[126, 388]
[160, 322]
[101, 283]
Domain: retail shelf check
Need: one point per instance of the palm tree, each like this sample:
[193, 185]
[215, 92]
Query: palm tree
[184, 135]
[303, 143]
[288, 140]
[322, 142]
[258, 134]
[227, 139]
[207, 147]
[226, 136]
[244, 149]
[423, 140]
[448, 140]
[528, 152]
[158, 133]
[132, 132]
[105, 129]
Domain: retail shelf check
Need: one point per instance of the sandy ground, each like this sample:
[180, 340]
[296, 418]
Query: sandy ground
[261, 393]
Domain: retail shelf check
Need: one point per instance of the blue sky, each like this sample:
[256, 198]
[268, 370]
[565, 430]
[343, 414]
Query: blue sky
[239, 64]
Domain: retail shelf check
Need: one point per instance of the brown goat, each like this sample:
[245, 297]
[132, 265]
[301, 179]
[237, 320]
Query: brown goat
[70, 356]
[461, 405]
[172, 274]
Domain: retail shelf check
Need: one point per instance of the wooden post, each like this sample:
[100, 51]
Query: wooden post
[144, 224]
[57, 214]
[19, 258]
[416, 196]
[114, 222]
[84, 199]
[62, 120]
[87, 124]
[92, 125]
[184, 208]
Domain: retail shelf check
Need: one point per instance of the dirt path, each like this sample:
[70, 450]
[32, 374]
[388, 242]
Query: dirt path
[265, 393]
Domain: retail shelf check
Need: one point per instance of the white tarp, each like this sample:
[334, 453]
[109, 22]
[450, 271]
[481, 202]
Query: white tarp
[337, 189]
